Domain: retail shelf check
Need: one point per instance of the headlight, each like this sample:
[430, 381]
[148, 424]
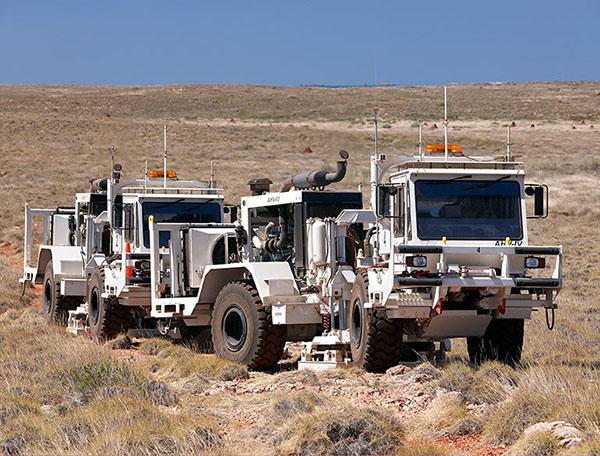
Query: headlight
[143, 265]
[417, 261]
[535, 262]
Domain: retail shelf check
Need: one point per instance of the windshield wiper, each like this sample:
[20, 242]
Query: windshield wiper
[487, 184]
[197, 205]
[442, 182]
[167, 204]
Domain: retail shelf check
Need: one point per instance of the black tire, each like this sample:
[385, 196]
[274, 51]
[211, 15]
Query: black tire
[502, 341]
[242, 329]
[56, 307]
[106, 317]
[375, 340]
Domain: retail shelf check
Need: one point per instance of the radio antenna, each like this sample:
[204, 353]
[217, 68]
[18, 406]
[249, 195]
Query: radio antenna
[376, 113]
[445, 124]
[421, 141]
[508, 144]
[212, 183]
[165, 156]
[112, 162]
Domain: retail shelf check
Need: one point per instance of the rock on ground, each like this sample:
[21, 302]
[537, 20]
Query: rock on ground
[568, 436]
[400, 369]
[121, 343]
[234, 372]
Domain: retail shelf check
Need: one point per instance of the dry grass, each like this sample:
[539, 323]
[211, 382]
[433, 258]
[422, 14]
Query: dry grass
[488, 385]
[184, 369]
[446, 416]
[537, 443]
[69, 395]
[590, 447]
[426, 449]
[331, 429]
[55, 138]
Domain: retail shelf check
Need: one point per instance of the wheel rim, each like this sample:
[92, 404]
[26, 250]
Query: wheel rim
[234, 328]
[48, 296]
[163, 325]
[356, 323]
[94, 306]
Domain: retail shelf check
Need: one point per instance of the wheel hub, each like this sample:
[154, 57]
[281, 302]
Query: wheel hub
[234, 328]
[356, 323]
[47, 296]
[94, 306]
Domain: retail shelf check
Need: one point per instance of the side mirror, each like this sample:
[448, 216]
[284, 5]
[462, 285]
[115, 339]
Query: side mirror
[383, 193]
[540, 199]
[117, 220]
[233, 213]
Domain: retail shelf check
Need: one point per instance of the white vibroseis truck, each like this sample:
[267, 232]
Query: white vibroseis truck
[443, 253]
[94, 257]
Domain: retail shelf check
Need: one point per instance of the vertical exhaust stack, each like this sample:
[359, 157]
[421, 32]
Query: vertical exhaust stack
[318, 179]
[259, 186]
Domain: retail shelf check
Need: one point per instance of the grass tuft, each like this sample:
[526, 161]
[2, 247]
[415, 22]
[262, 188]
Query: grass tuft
[536, 443]
[286, 406]
[590, 447]
[89, 378]
[488, 385]
[446, 416]
[347, 431]
[505, 425]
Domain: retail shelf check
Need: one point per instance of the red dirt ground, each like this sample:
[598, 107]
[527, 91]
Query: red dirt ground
[470, 444]
[16, 261]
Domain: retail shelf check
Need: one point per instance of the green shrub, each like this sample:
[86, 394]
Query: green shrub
[90, 378]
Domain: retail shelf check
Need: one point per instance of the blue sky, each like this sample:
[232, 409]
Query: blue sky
[301, 42]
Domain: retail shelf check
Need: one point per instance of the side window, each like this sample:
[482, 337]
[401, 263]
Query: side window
[408, 221]
[384, 200]
[400, 213]
[129, 222]
[118, 211]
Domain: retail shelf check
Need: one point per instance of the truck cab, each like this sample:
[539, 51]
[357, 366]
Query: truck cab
[292, 267]
[450, 255]
[95, 256]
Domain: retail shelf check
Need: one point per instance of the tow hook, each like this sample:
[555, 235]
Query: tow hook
[502, 307]
[439, 307]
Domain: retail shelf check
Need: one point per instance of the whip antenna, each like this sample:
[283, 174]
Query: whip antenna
[165, 156]
[445, 124]
[508, 144]
[421, 141]
[112, 161]
[212, 183]
[376, 113]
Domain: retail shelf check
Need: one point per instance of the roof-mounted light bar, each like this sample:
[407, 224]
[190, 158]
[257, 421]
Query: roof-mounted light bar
[160, 173]
[440, 148]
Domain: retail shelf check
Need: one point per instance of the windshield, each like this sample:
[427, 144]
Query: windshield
[468, 209]
[179, 212]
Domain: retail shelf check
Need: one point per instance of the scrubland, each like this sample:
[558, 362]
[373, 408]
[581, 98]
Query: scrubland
[61, 394]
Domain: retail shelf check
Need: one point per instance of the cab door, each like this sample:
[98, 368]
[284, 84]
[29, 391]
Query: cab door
[399, 214]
